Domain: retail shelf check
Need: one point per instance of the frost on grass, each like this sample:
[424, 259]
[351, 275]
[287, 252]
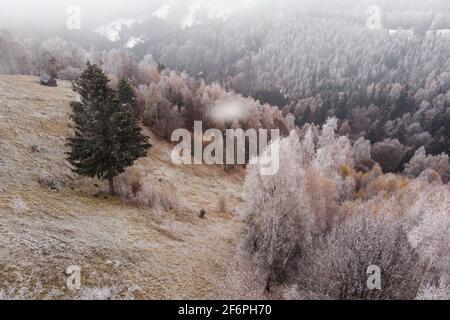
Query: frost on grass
[97, 293]
[27, 288]
[116, 292]
[26, 292]
[223, 204]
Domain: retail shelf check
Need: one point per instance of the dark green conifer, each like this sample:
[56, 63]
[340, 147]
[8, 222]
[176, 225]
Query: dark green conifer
[126, 95]
[107, 138]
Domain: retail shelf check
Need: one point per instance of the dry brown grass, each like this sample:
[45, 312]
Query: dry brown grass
[154, 254]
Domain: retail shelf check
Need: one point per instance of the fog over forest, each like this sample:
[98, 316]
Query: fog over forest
[48, 13]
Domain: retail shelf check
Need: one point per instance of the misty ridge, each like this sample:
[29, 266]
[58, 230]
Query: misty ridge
[91, 98]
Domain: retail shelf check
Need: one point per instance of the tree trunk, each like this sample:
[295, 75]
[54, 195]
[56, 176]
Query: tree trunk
[268, 284]
[111, 186]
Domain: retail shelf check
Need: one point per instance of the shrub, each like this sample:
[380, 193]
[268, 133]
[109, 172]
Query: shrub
[129, 183]
[202, 214]
[47, 181]
[338, 269]
[69, 74]
[132, 186]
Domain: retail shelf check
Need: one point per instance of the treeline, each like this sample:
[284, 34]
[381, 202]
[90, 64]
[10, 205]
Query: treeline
[380, 85]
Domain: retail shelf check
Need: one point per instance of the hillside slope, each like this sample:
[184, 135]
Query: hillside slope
[123, 251]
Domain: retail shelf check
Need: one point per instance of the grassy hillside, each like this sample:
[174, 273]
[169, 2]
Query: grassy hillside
[123, 251]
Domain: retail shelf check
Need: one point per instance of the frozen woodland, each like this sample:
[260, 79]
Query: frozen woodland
[360, 205]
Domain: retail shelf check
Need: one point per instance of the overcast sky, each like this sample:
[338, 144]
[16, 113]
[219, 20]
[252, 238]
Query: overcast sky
[95, 12]
[53, 12]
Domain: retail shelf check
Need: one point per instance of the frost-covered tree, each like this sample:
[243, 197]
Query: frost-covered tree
[152, 99]
[55, 56]
[14, 59]
[430, 237]
[339, 268]
[278, 218]
[362, 156]
[290, 211]
[120, 64]
[420, 162]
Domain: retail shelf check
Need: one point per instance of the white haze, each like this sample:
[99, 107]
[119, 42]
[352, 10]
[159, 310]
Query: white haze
[53, 14]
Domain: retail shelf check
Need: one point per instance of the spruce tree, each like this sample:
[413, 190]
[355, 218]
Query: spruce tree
[402, 105]
[342, 109]
[107, 138]
[126, 94]
[305, 118]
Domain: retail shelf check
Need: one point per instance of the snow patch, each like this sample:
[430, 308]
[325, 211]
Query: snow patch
[401, 32]
[111, 31]
[133, 41]
[438, 32]
[162, 12]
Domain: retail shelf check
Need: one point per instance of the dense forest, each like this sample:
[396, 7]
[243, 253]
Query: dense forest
[381, 85]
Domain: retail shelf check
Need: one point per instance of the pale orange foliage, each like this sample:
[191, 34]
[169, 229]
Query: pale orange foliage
[387, 185]
[322, 193]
